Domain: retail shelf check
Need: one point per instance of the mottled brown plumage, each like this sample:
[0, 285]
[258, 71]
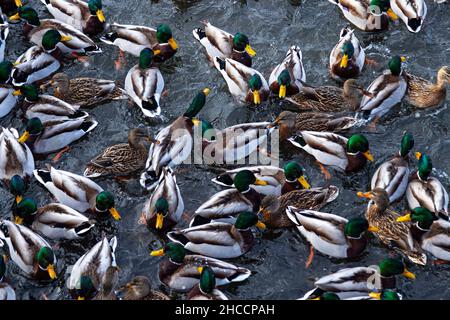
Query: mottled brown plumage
[140, 289]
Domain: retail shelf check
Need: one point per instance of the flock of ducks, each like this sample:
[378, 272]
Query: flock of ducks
[257, 196]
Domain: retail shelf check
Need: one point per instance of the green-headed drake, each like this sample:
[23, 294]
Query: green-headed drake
[206, 289]
[411, 12]
[8, 100]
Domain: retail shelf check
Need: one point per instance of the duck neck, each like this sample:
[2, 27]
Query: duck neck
[417, 231]
[388, 282]
[356, 246]
[356, 161]
[254, 197]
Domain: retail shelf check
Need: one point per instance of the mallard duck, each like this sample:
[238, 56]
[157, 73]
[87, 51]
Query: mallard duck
[226, 204]
[4, 31]
[273, 209]
[180, 271]
[331, 149]
[219, 240]
[8, 100]
[139, 288]
[33, 65]
[393, 175]
[426, 191]
[359, 281]
[278, 180]
[121, 159]
[84, 16]
[247, 85]
[287, 77]
[8, 6]
[391, 233]
[433, 236]
[53, 136]
[29, 251]
[133, 39]
[175, 142]
[422, 93]
[5, 72]
[387, 294]
[6, 291]
[93, 266]
[367, 15]
[17, 187]
[77, 192]
[327, 98]
[85, 92]
[145, 84]
[17, 158]
[411, 12]
[347, 57]
[290, 123]
[53, 221]
[164, 208]
[206, 289]
[109, 281]
[330, 234]
[219, 43]
[62, 35]
[385, 91]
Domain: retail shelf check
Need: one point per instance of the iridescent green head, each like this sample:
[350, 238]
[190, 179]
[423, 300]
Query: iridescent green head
[28, 14]
[425, 167]
[164, 35]
[197, 103]
[284, 78]
[35, 126]
[329, 296]
[162, 206]
[50, 39]
[95, 6]
[105, 202]
[255, 82]
[46, 258]
[30, 92]
[359, 143]
[348, 49]
[395, 65]
[423, 217]
[175, 252]
[243, 179]
[17, 187]
[208, 131]
[246, 220]
[240, 42]
[293, 171]
[407, 144]
[5, 71]
[390, 267]
[146, 58]
[86, 288]
[356, 227]
[207, 280]
[377, 7]
[25, 211]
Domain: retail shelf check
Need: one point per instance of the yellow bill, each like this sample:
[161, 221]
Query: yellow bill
[157, 253]
[18, 220]
[265, 213]
[405, 218]
[156, 52]
[80, 298]
[318, 298]
[408, 274]
[256, 97]
[66, 38]
[18, 199]
[418, 155]
[18, 3]
[206, 91]
[200, 269]
[259, 182]
[17, 93]
[261, 225]
[173, 44]
[15, 17]
[282, 93]
[303, 182]
[196, 122]
[344, 61]
[100, 16]
[368, 156]
[373, 229]
[159, 221]
[250, 50]
[402, 59]
[115, 214]
[51, 272]
[24, 137]
[391, 14]
[367, 195]
[15, 64]
[375, 295]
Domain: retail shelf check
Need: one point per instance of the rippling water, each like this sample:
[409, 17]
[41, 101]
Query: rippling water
[278, 258]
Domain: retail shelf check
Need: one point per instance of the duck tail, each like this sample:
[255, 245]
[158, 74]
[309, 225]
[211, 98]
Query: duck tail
[199, 33]
[109, 38]
[198, 220]
[178, 237]
[240, 275]
[119, 94]
[223, 180]
[148, 180]
[88, 125]
[84, 228]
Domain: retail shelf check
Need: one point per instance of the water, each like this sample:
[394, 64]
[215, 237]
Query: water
[278, 258]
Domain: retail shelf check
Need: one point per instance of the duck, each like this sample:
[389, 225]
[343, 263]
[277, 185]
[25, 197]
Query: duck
[367, 15]
[4, 31]
[71, 40]
[331, 149]
[139, 288]
[180, 271]
[219, 240]
[17, 158]
[171, 151]
[393, 175]
[433, 235]
[34, 65]
[287, 77]
[391, 233]
[85, 92]
[385, 91]
[165, 207]
[105, 290]
[206, 289]
[8, 100]
[17, 187]
[411, 12]
[92, 266]
[423, 94]
[327, 98]
[330, 234]
[245, 84]
[387, 294]
[87, 17]
[29, 251]
[219, 43]
[6, 291]
[290, 123]
[426, 191]
[133, 39]
[77, 192]
[347, 58]
[51, 137]
[359, 281]
[8, 6]
[273, 209]
[145, 84]
[225, 205]
[279, 180]
[53, 221]
[122, 159]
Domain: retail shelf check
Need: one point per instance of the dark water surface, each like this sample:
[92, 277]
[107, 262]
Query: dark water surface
[278, 259]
